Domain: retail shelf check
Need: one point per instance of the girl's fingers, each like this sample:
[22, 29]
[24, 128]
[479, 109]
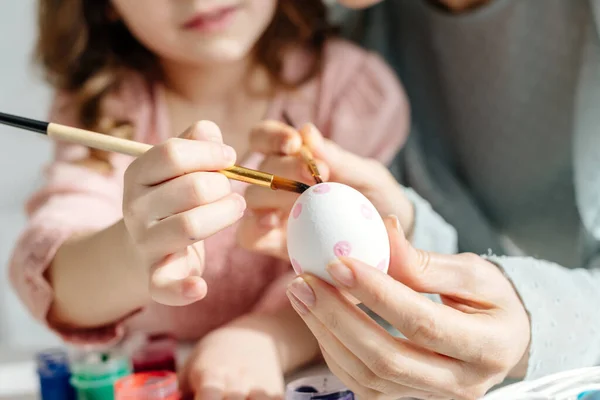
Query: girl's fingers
[183, 193]
[238, 387]
[209, 386]
[178, 231]
[348, 167]
[177, 157]
[274, 137]
[173, 281]
[257, 236]
[409, 365]
[295, 168]
[260, 199]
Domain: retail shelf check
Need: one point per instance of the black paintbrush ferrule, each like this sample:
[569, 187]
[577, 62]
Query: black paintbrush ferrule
[24, 123]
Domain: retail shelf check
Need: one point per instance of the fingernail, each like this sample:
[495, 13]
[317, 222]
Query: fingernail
[341, 273]
[297, 304]
[302, 291]
[395, 222]
[229, 153]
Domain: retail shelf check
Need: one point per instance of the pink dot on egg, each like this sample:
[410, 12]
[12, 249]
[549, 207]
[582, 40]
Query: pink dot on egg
[366, 211]
[322, 188]
[342, 249]
[297, 210]
[296, 266]
[382, 264]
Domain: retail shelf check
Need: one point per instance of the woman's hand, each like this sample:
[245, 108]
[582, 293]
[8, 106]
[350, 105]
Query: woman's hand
[172, 201]
[263, 229]
[455, 350]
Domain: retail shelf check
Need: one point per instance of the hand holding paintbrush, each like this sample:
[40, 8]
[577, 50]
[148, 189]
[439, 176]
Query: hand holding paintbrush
[306, 154]
[175, 195]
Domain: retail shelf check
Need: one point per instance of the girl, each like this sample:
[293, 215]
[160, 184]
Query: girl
[114, 245]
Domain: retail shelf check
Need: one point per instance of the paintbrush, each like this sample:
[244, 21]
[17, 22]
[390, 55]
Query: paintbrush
[306, 154]
[129, 147]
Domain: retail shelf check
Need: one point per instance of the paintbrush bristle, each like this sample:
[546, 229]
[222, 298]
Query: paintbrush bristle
[288, 185]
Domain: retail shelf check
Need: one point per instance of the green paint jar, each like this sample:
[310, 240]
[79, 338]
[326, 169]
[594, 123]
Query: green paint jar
[94, 374]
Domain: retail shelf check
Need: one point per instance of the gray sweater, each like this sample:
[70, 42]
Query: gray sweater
[506, 148]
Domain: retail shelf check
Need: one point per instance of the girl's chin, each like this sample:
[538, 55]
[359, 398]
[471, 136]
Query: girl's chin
[218, 53]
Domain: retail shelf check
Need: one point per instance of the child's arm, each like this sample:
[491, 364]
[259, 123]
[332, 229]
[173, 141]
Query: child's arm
[69, 260]
[82, 267]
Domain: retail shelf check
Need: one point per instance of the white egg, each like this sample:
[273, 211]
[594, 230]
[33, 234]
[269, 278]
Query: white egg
[330, 220]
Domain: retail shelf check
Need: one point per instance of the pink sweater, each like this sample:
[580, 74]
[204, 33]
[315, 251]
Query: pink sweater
[357, 102]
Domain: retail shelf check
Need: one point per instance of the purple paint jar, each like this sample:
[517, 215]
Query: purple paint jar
[322, 387]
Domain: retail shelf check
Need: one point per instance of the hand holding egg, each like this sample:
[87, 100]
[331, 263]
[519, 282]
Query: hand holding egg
[263, 228]
[332, 220]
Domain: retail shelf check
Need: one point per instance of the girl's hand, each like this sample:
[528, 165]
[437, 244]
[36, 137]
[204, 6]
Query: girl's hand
[263, 229]
[455, 350]
[238, 361]
[172, 201]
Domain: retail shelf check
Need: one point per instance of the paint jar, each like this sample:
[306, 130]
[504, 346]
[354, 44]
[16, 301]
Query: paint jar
[322, 387]
[54, 375]
[589, 395]
[154, 385]
[95, 374]
[156, 353]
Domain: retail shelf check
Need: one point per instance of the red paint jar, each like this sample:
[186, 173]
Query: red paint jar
[156, 354]
[156, 385]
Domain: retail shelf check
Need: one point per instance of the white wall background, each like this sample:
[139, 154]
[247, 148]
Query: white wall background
[22, 157]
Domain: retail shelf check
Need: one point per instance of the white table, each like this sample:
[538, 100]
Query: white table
[19, 381]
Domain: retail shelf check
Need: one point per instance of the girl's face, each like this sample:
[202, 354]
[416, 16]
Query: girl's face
[197, 32]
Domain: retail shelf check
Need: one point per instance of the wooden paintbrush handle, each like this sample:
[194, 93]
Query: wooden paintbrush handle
[97, 140]
[129, 147]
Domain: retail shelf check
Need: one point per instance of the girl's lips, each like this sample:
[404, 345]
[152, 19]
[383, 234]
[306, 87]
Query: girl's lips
[212, 21]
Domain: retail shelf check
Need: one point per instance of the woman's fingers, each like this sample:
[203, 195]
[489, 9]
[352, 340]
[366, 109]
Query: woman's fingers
[182, 194]
[387, 357]
[359, 390]
[363, 377]
[274, 137]
[180, 230]
[366, 392]
[466, 276]
[431, 325]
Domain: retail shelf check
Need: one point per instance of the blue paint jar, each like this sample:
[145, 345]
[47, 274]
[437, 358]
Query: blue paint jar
[54, 375]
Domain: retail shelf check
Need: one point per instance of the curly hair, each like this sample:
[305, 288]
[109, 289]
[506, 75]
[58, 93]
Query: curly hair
[87, 52]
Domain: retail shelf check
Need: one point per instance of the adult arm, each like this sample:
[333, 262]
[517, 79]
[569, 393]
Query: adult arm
[562, 305]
